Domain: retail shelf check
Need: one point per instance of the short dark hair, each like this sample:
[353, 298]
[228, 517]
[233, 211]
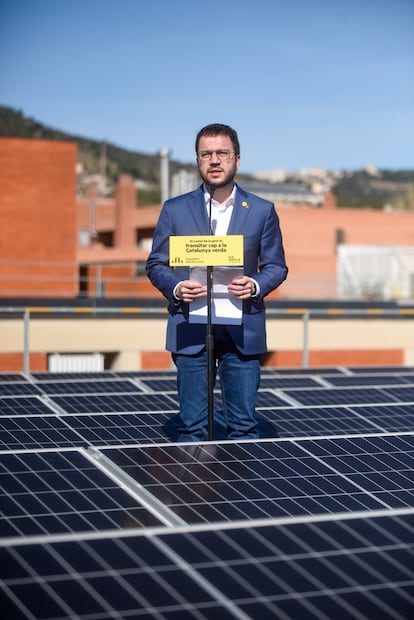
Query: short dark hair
[217, 129]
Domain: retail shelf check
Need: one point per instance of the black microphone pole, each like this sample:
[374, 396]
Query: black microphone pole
[210, 335]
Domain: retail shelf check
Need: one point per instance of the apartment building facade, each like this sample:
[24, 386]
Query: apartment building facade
[57, 245]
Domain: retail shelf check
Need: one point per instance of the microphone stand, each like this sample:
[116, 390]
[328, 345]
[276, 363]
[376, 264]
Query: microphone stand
[210, 336]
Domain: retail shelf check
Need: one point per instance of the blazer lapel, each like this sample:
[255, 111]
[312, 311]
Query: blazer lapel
[240, 213]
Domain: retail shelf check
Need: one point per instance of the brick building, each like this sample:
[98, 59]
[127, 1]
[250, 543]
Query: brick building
[38, 232]
[56, 245]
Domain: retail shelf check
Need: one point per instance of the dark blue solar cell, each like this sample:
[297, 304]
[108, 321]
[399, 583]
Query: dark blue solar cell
[106, 403]
[36, 600]
[18, 389]
[23, 405]
[299, 565]
[267, 398]
[88, 387]
[280, 383]
[82, 496]
[344, 396]
[14, 377]
[160, 385]
[400, 394]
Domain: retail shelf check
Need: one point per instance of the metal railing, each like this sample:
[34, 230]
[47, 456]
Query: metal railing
[127, 279]
[124, 280]
[160, 311]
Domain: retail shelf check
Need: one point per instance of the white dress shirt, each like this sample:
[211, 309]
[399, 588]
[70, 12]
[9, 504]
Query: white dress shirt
[220, 213]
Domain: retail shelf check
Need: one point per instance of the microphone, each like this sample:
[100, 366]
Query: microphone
[211, 189]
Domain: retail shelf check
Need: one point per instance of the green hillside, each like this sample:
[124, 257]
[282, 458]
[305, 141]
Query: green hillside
[118, 160]
[359, 189]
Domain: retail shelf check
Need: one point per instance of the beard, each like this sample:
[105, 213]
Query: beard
[225, 180]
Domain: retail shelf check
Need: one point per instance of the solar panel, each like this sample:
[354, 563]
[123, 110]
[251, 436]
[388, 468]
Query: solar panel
[140, 374]
[120, 428]
[383, 466]
[205, 483]
[62, 431]
[345, 568]
[310, 370]
[380, 369]
[403, 394]
[160, 385]
[109, 403]
[271, 382]
[37, 431]
[267, 381]
[268, 398]
[356, 419]
[340, 568]
[19, 429]
[71, 376]
[55, 492]
[366, 380]
[88, 387]
[351, 396]
[11, 376]
[388, 417]
[311, 421]
[21, 388]
[23, 405]
[102, 516]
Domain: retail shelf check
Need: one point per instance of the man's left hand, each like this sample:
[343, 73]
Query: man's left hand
[242, 287]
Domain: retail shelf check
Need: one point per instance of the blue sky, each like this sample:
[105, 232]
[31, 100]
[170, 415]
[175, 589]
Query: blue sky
[314, 83]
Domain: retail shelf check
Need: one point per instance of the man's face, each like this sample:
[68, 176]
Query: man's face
[219, 165]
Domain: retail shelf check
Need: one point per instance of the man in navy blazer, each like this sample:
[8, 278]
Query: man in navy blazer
[238, 347]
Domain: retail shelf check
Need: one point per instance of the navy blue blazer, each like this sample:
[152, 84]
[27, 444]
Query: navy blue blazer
[264, 260]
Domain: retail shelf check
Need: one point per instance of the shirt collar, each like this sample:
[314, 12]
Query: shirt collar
[229, 202]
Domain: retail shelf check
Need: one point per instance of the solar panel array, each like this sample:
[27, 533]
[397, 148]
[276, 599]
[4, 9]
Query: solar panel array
[103, 515]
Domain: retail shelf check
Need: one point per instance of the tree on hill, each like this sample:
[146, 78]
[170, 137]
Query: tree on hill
[356, 189]
[362, 190]
[14, 124]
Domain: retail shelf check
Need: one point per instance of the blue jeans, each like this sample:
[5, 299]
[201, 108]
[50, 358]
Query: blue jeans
[239, 378]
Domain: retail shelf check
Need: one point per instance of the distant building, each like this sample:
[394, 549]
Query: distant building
[183, 182]
[372, 170]
[287, 193]
[55, 244]
[277, 175]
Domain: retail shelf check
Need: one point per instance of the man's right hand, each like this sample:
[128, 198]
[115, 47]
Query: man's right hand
[188, 290]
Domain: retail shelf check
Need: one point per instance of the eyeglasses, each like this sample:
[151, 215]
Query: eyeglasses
[221, 154]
